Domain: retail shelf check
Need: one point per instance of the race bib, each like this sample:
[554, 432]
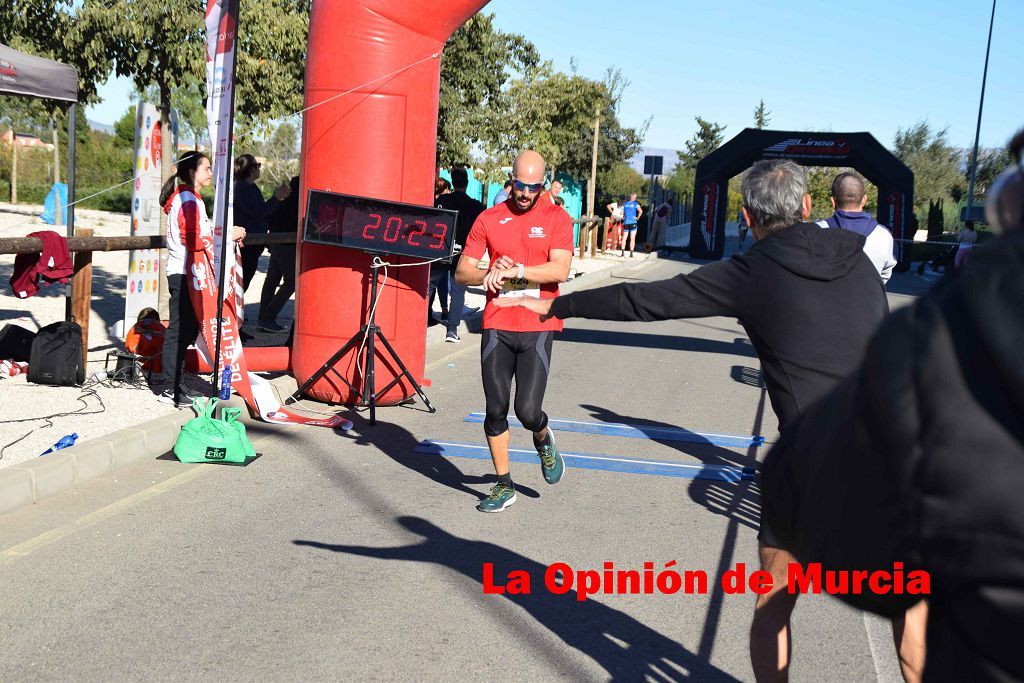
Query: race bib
[519, 287]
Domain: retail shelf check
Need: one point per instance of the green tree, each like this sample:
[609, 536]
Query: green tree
[992, 161]
[705, 140]
[619, 181]
[477, 63]
[762, 117]
[281, 151]
[554, 113]
[936, 165]
[124, 128]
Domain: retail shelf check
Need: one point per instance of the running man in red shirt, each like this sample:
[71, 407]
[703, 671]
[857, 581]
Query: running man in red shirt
[530, 247]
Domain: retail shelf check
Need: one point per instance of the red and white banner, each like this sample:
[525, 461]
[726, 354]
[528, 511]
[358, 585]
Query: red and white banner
[221, 34]
[221, 24]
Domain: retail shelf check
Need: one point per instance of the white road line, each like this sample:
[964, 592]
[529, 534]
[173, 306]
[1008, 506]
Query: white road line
[640, 429]
[597, 457]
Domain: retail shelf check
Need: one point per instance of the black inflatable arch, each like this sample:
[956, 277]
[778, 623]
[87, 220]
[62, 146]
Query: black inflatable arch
[860, 151]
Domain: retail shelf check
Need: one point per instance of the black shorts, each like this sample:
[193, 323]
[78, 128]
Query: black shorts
[526, 356]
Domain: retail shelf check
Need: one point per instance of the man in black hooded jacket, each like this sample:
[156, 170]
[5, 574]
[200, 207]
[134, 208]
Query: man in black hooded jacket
[809, 299]
[918, 458]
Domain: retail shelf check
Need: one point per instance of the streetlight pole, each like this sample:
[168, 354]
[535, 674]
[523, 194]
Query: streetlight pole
[977, 132]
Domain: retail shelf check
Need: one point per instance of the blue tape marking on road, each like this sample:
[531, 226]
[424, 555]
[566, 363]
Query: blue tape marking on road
[594, 462]
[639, 432]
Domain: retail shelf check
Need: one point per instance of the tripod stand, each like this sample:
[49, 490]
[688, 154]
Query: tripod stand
[371, 332]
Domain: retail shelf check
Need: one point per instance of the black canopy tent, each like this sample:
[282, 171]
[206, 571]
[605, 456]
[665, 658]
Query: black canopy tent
[31, 76]
[861, 151]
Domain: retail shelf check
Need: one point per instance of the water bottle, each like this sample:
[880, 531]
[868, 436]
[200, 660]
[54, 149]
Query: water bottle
[225, 383]
[67, 440]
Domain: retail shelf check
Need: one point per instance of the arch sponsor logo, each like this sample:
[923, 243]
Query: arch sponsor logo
[809, 148]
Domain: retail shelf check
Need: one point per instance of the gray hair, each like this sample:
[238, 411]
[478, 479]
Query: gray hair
[773, 192]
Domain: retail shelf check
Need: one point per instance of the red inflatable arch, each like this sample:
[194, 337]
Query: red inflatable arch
[379, 141]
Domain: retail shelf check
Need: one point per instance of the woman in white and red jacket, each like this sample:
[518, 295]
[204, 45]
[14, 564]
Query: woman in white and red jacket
[187, 226]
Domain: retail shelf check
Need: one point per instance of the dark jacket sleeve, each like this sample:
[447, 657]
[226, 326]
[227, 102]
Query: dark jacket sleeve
[715, 289]
[251, 206]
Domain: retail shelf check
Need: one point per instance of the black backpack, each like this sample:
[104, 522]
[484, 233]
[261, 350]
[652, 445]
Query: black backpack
[16, 343]
[57, 355]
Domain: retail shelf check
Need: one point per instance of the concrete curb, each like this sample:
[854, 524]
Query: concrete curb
[41, 478]
[30, 482]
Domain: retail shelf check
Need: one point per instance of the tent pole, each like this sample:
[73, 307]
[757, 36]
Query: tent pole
[72, 116]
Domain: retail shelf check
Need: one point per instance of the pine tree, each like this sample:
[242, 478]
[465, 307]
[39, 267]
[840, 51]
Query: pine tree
[761, 116]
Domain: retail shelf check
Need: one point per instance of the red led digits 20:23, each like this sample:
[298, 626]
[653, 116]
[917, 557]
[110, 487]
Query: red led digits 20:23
[394, 229]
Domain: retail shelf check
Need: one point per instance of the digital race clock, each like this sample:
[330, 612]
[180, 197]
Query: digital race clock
[378, 226]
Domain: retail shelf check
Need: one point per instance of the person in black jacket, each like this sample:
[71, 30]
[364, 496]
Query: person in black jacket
[468, 209]
[918, 458]
[809, 299]
[252, 211]
[281, 269]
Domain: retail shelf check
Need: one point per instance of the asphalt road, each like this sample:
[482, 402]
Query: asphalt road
[347, 556]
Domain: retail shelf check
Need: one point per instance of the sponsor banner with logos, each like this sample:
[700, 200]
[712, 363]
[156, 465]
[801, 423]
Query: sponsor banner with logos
[143, 284]
[706, 235]
[892, 214]
[221, 26]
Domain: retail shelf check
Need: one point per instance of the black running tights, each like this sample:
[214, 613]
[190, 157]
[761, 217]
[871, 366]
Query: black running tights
[525, 356]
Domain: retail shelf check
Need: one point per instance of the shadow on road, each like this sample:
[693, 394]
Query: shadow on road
[625, 647]
[398, 443]
[739, 502]
[641, 340]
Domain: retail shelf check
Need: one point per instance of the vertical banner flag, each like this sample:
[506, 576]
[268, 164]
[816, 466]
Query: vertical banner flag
[141, 289]
[221, 41]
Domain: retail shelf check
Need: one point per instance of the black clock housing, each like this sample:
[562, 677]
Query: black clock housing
[377, 226]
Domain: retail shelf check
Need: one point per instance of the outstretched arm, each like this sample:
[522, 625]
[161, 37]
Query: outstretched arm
[715, 289]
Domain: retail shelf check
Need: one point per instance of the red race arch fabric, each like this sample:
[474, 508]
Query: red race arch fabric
[379, 140]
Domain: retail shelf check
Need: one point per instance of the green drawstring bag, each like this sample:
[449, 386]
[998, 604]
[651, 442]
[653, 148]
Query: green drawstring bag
[207, 439]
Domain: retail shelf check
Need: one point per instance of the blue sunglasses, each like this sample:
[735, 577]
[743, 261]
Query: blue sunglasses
[532, 187]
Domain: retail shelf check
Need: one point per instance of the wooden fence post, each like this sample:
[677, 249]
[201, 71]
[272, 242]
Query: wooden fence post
[81, 292]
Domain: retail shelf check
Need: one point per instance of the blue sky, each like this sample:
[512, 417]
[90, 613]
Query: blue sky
[870, 65]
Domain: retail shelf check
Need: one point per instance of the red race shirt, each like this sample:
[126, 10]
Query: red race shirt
[526, 238]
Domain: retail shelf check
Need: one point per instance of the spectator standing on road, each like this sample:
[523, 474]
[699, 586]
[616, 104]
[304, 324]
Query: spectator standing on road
[615, 209]
[808, 300]
[741, 220]
[281, 269]
[530, 246]
[468, 210]
[631, 213]
[658, 227]
[848, 199]
[188, 228]
[438, 282]
[252, 211]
